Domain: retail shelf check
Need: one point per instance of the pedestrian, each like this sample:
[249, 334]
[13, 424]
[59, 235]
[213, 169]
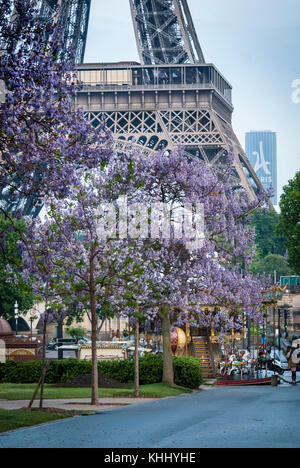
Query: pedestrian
[293, 356]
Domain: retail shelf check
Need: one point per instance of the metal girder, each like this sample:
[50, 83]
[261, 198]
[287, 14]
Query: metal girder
[165, 32]
[74, 18]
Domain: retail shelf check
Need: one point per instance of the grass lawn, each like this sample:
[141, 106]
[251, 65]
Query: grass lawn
[25, 391]
[14, 419]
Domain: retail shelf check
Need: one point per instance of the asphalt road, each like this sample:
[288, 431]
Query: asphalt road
[244, 417]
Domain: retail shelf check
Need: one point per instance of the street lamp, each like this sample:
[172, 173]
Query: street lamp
[16, 316]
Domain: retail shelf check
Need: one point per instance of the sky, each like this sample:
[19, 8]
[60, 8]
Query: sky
[256, 46]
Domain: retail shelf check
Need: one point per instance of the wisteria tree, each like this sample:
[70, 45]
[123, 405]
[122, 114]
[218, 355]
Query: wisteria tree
[43, 138]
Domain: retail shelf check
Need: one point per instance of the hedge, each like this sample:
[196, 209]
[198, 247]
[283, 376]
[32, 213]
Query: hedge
[187, 371]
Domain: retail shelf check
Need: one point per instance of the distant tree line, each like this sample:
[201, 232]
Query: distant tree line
[278, 235]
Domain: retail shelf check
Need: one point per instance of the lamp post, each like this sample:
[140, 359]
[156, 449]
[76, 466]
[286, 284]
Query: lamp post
[271, 298]
[16, 316]
[285, 323]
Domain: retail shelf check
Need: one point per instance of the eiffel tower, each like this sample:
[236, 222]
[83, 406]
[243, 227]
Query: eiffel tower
[172, 97]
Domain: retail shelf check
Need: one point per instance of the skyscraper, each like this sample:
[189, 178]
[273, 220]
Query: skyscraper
[261, 149]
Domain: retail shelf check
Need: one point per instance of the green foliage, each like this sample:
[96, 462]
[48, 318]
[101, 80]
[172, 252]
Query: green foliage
[271, 245]
[272, 263]
[20, 372]
[67, 370]
[10, 292]
[187, 371]
[289, 221]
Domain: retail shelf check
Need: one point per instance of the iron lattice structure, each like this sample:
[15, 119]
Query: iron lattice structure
[165, 32]
[160, 107]
[73, 16]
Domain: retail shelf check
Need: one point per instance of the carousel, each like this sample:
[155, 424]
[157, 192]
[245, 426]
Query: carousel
[247, 356]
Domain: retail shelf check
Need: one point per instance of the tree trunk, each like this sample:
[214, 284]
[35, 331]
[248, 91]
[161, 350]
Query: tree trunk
[168, 371]
[95, 386]
[136, 359]
[43, 360]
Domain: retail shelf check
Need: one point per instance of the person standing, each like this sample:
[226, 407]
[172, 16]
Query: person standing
[293, 360]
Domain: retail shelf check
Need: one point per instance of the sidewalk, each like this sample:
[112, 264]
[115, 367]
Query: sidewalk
[81, 404]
